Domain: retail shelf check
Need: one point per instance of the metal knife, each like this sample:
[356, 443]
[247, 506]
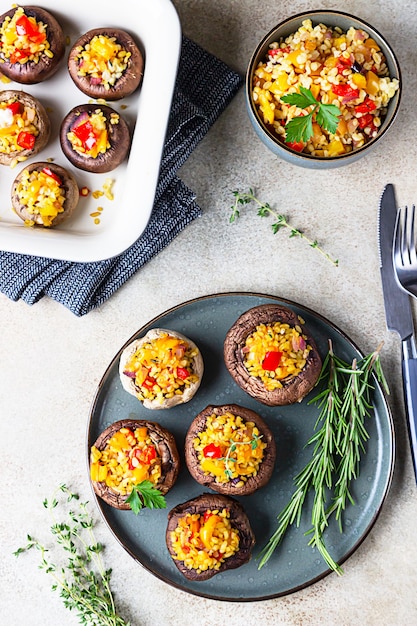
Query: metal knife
[398, 312]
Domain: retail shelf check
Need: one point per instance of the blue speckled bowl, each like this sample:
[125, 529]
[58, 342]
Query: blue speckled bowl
[286, 28]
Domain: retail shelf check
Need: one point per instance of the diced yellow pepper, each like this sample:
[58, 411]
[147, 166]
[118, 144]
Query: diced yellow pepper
[339, 41]
[280, 84]
[140, 473]
[359, 80]
[141, 433]
[371, 43]
[119, 441]
[296, 57]
[315, 90]
[330, 62]
[206, 531]
[372, 83]
[342, 127]
[311, 45]
[335, 147]
[207, 465]
[103, 47]
[98, 473]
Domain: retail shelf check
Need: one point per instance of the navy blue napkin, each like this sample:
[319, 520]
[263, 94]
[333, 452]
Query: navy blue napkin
[205, 85]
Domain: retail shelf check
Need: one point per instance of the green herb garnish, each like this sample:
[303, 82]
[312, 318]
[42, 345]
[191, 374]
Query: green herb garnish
[338, 443]
[84, 582]
[145, 494]
[253, 443]
[265, 210]
[300, 128]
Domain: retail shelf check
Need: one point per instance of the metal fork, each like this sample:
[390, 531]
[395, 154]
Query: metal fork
[404, 250]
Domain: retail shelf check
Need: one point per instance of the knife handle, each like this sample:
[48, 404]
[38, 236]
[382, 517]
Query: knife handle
[409, 366]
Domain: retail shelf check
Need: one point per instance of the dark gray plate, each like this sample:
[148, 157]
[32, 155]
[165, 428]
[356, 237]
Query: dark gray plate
[294, 564]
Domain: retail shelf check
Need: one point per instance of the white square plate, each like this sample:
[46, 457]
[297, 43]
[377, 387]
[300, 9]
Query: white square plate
[155, 26]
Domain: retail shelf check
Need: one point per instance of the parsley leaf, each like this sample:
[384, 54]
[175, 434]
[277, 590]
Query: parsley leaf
[145, 494]
[300, 128]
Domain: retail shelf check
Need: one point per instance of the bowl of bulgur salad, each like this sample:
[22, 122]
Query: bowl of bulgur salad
[322, 89]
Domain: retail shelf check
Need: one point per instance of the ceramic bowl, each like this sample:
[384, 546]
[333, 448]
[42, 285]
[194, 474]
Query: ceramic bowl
[280, 32]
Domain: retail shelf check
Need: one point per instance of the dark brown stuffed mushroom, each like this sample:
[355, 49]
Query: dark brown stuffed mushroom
[44, 194]
[271, 355]
[230, 449]
[208, 535]
[32, 44]
[129, 452]
[95, 138]
[24, 124]
[106, 63]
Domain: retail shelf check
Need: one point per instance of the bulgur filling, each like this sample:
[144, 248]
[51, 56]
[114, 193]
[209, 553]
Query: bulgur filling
[42, 194]
[103, 60]
[129, 458]
[346, 69]
[229, 448]
[19, 126]
[162, 368]
[23, 39]
[205, 541]
[275, 352]
[89, 136]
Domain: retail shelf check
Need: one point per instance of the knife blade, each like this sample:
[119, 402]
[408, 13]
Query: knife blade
[398, 312]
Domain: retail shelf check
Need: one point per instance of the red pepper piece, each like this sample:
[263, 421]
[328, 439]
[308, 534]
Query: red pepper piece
[15, 107]
[19, 55]
[274, 51]
[24, 27]
[345, 90]
[211, 451]
[366, 106]
[296, 145]
[149, 382]
[365, 120]
[85, 133]
[182, 373]
[49, 172]
[26, 140]
[272, 360]
[146, 455]
[342, 64]
[206, 515]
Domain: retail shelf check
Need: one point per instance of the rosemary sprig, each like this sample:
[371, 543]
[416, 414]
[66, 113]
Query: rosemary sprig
[338, 443]
[82, 588]
[265, 210]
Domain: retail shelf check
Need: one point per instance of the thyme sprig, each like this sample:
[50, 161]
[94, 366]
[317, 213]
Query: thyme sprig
[281, 221]
[232, 448]
[84, 583]
[345, 402]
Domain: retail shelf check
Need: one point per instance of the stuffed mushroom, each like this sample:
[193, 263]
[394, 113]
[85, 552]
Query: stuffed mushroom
[129, 452]
[95, 138]
[44, 194]
[271, 355]
[32, 44]
[230, 449]
[106, 63]
[161, 369]
[208, 535]
[24, 127]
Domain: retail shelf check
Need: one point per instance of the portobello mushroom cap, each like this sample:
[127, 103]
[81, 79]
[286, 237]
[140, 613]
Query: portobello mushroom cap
[253, 482]
[238, 519]
[68, 183]
[126, 84]
[35, 71]
[294, 388]
[166, 448]
[118, 137]
[128, 382]
[41, 122]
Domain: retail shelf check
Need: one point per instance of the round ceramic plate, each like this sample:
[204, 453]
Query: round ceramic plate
[294, 564]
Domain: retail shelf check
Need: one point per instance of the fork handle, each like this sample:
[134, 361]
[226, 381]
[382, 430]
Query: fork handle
[409, 366]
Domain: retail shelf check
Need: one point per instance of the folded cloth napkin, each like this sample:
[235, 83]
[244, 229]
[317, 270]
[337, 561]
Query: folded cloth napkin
[204, 87]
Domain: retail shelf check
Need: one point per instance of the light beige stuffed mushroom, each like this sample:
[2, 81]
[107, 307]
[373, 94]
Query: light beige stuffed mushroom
[161, 369]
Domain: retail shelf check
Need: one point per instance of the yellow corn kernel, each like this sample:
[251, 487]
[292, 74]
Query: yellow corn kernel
[339, 41]
[267, 110]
